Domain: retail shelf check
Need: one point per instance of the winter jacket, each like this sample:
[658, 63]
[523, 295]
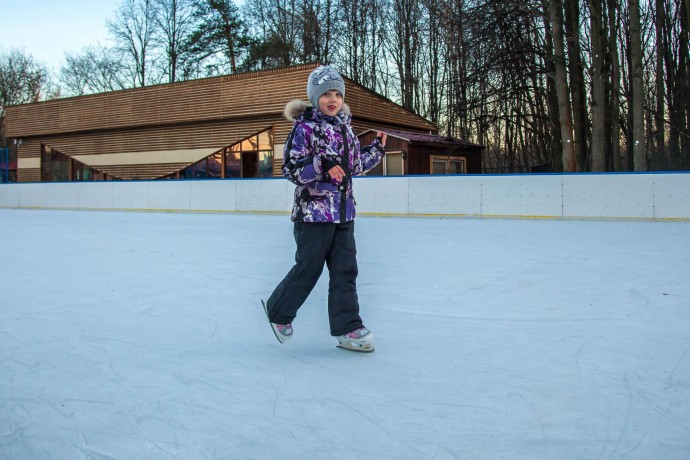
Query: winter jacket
[317, 143]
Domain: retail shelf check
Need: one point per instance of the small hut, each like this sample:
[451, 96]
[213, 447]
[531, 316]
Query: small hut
[413, 153]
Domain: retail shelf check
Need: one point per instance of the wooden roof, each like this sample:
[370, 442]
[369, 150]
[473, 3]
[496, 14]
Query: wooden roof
[423, 138]
[238, 96]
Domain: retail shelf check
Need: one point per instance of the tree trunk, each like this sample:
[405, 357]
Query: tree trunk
[554, 135]
[684, 82]
[615, 88]
[637, 102]
[660, 137]
[577, 82]
[599, 78]
[672, 95]
[561, 84]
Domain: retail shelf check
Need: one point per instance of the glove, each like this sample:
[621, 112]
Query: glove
[327, 164]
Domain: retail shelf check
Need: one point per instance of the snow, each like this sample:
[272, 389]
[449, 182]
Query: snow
[141, 336]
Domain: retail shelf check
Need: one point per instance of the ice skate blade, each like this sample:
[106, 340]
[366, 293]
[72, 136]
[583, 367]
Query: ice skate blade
[280, 338]
[356, 350]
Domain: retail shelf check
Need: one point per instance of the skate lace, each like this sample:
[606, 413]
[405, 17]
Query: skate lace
[285, 329]
[357, 334]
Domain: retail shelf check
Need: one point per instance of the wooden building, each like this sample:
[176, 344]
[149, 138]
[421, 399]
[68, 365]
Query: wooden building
[415, 153]
[220, 127]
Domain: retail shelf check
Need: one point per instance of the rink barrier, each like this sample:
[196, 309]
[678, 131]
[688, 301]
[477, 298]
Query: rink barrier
[646, 196]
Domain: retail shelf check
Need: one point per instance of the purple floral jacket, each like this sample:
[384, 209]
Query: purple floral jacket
[317, 143]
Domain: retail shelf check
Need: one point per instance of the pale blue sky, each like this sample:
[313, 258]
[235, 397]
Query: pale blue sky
[46, 29]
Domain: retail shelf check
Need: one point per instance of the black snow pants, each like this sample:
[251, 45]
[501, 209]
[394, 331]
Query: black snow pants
[334, 244]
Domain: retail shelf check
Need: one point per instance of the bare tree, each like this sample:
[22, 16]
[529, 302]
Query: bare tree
[614, 112]
[599, 81]
[360, 35]
[96, 69]
[404, 49]
[637, 102]
[318, 31]
[576, 68]
[22, 80]
[659, 122]
[174, 23]
[678, 93]
[684, 48]
[561, 85]
[133, 29]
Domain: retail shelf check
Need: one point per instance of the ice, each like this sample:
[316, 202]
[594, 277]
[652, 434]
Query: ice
[141, 336]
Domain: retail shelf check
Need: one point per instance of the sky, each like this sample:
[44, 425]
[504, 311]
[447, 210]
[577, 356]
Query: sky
[131, 335]
[47, 29]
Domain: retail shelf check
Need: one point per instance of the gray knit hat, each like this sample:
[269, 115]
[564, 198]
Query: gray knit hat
[322, 79]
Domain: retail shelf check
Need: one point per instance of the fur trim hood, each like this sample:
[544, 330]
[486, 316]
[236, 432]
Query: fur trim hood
[296, 108]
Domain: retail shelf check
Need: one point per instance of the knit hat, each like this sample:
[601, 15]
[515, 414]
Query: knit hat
[323, 78]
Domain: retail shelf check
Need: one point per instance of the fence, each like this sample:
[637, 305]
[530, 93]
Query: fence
[616, 196]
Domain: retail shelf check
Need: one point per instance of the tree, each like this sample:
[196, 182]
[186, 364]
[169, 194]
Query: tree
[318, 30]
[576, 68]
[599, 81]
[678, 92]
[220, 38]
[637, 102]
[174, 22]
[360, 36]
[561, 85]
[404, 48]
[617, 159]
[659, 26]
[133, 29]
[22, 80]
[96, 70]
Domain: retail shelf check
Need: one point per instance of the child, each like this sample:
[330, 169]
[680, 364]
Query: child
[321, 155]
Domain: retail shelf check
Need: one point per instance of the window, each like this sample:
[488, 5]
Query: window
[394, 164]
[265, 164]
[208, 168]
[252, 157]
[54, 165]
[58, 167]
[448, 165]
[82, 172]
[233, 165]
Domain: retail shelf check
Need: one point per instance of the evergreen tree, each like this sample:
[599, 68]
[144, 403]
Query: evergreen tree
[220, 40]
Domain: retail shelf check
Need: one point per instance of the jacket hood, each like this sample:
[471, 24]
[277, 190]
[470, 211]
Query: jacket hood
[297, 109]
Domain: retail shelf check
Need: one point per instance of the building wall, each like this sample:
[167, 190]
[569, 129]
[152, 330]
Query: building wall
[615, 196]
[212, 134]
[213, 112]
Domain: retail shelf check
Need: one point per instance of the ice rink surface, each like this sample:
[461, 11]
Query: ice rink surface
[141, 336]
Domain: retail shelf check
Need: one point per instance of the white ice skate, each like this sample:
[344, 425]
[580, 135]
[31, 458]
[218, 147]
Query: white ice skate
[361, 340]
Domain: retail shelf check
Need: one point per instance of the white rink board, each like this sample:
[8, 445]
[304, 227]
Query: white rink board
[522, 195]
[604, 196]
[672, 197]
[389, 196]
[611, 195]
[428, 195]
